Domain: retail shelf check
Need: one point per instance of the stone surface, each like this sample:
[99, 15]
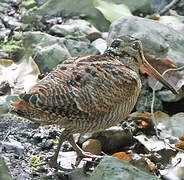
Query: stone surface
[112, 139]
[50, 56]
[4, 8]
[75, 28]
[4, 171]
[78, 7]
[158, 39]
[177, 124]
[93, 146]
[14, 145]
[50, 50]
[145, 100]
[12, 22]
[115, 169]
[5, 102]
[173, 22]
[100, 44]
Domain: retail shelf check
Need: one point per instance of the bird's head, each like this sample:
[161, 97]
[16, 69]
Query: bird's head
[129, 51]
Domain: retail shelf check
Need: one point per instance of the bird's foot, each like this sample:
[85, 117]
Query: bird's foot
[82, 154]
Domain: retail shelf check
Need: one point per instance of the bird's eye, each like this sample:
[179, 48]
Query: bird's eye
[135, 46]
[115, 44]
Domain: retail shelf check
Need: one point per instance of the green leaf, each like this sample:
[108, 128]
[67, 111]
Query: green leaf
[110, 10]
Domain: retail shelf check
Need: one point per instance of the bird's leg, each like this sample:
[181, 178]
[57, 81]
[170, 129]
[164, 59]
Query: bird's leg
[80, 153]
[52, 161]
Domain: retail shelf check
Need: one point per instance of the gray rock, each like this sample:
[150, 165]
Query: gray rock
[50, 56]
[49, 50]
[4, 8]
[112, 139]
[14, 2]
[1, 24]
[157, 5]
[173, 173]
[4, 55]
[4, 34]
[77, 7]
[77, 174]
[4, 171]
[145, 100]
[4, 107]
[47, 144]
[100, 44]
[75, 28]
[13, 145]
[177, 124]
[5, 103]
[115, 169]
[158, 39]
[80, 48]
[38, 137]
[11, 22]
[174, 22]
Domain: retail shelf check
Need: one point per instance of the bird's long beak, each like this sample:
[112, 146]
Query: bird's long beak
[157, 75]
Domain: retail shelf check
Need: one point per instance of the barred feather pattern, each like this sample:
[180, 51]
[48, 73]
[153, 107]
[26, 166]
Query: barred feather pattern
[82, 94]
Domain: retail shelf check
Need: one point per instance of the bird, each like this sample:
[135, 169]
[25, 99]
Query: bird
[88, 94]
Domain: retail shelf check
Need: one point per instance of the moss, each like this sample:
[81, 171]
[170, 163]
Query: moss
[29, 4]
[1, 38]
[11, 48]
[14, 44]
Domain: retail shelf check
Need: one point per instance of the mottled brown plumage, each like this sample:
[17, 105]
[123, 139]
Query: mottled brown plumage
[89, 93]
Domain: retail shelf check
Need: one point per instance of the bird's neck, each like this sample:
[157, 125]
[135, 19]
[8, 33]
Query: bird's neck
[125, 59]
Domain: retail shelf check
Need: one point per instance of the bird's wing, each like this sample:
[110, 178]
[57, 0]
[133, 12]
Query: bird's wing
[90, 85]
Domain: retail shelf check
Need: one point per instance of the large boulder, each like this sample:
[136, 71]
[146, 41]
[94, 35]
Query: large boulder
[116, 169]
[158, 39]
[48, 51]
[77, 7]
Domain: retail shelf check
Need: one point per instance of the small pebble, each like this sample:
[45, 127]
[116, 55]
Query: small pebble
[93, 146]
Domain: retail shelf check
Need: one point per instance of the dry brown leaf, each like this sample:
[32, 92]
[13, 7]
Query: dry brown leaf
[123, 156]
[143, 120]
[21, 76]
[174, 77]
[162, 65]
[181, 138]
[180, 145]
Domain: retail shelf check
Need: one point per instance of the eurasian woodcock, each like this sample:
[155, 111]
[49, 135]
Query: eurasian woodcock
[86, 94]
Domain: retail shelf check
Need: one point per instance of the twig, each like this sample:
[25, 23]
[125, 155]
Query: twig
[166, 8]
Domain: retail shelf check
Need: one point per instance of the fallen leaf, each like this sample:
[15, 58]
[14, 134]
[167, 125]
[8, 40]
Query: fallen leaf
[161, 65]
[143, 121]
[174, 77]
[21, 75]
[181, 138]
[180, 145]
[110, 10]
[123, 156]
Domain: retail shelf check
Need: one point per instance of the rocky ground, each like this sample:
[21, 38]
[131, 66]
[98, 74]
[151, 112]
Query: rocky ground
[36, 35]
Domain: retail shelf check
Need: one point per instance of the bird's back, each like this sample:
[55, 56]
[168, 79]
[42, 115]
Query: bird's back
[82, 94]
